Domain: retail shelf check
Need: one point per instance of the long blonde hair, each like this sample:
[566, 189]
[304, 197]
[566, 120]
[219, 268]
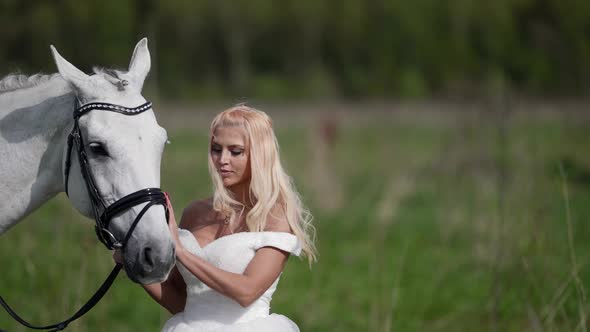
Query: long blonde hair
[271, 188]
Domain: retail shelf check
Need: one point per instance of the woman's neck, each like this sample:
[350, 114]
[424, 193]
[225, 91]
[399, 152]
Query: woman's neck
[241, 193]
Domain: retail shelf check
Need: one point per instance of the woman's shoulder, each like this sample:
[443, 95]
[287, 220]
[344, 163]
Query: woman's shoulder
[198, 213]
[279, 234]
[200, 205]
[277, 221]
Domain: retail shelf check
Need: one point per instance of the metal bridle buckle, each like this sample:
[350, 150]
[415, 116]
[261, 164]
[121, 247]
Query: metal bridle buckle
[107, 238]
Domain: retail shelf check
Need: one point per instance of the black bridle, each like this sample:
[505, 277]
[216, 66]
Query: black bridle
[103, 213]
[151, 195]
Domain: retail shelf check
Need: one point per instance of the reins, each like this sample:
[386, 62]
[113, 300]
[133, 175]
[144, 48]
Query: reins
[103, 214]
[84, 309]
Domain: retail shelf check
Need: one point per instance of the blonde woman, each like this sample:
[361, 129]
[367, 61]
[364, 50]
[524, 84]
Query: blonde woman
[232, 247]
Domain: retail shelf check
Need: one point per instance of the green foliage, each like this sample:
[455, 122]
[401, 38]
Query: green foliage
[351, 48]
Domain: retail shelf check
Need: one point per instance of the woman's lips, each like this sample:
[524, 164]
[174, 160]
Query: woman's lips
[225, 173]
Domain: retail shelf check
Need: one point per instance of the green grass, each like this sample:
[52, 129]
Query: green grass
[421, 227]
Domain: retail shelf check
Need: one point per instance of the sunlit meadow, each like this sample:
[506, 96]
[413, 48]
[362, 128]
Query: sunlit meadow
[428, 218]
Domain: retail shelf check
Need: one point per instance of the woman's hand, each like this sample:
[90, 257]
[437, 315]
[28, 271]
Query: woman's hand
[172, 225]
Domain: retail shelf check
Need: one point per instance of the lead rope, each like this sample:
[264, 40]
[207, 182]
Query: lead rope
[106, 285]
[96, 297]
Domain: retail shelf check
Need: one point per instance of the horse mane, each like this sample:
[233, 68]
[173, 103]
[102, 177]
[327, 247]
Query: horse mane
[16, 81]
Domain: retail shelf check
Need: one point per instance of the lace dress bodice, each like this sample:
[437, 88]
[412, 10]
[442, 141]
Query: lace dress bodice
[208, 310]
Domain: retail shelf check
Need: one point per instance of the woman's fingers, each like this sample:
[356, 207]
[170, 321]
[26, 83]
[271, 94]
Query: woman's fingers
[168, 203]
[171, 216]
[172, 226]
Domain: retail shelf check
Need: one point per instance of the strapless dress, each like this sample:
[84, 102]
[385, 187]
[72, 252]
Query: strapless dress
[207, 310]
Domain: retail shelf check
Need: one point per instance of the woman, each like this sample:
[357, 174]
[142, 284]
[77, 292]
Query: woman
[232, 248]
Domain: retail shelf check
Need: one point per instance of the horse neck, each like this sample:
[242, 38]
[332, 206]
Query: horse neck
[34, 125]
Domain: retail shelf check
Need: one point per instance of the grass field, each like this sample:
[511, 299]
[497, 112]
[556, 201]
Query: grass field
[427, 221]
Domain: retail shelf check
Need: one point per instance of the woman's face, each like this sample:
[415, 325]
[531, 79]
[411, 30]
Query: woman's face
[231, 156]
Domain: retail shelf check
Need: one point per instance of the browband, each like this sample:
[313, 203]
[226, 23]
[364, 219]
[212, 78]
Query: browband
[111, 107]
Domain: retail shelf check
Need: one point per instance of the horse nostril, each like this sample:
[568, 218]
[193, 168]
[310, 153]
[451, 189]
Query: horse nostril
[147, 258]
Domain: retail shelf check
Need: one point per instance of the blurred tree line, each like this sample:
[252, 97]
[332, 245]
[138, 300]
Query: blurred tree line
[306, 48]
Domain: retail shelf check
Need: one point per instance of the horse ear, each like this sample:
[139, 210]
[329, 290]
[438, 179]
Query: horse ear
[140, 64]
[68, 71]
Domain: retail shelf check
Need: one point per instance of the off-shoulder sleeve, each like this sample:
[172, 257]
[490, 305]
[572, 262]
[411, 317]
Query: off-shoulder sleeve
[281, 240]
[188, 241]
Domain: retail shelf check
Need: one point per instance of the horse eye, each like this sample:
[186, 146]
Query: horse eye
[98, 149]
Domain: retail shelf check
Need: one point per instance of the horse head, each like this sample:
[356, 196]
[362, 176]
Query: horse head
[123, 155]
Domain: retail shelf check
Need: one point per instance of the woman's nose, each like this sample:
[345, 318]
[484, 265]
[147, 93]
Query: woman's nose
[224, 157]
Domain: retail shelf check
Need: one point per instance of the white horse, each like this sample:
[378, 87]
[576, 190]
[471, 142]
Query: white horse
[124, 153]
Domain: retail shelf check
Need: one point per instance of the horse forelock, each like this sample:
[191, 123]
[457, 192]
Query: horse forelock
[108, 72]
[16, 81]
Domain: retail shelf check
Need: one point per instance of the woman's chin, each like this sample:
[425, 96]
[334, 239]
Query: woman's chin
[234, 184]
[228, 183]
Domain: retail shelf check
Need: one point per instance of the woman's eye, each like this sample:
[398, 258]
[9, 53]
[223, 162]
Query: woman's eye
[216, 149]
[236, 152]
[98, 149]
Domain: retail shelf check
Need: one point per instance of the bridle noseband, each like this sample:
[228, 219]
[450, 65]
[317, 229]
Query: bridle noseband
[153, 196]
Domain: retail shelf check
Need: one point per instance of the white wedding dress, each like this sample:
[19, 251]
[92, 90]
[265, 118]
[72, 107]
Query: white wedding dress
[207, 310]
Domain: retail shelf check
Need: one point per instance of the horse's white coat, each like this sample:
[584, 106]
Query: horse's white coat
[34, 124]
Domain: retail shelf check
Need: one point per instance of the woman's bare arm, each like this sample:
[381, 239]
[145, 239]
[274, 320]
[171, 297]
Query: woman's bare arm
[171, 294]
[261, 272]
